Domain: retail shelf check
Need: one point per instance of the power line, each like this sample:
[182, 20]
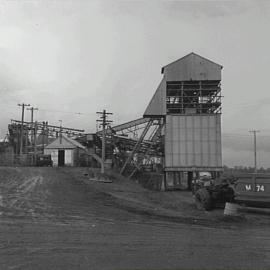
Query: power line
[233, 135]
[71, 112]
[51, 110]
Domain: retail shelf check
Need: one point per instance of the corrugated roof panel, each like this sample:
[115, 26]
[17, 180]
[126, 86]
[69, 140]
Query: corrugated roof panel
[157, 105]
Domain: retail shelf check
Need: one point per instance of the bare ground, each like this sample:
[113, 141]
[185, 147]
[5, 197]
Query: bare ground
[52, 218]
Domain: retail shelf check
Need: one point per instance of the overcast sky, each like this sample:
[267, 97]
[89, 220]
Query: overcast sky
[71, 57]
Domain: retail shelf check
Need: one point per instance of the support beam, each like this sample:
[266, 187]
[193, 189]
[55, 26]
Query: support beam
[137, 145]
[50, 126]
[126, 125]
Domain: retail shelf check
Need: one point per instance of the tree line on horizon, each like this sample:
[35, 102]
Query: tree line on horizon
[244, 169]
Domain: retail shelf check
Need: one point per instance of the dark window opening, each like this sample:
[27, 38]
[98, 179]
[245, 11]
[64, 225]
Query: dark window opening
[196, 97]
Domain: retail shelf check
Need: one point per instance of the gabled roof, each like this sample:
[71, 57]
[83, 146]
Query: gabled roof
[43, 139]
[64, 143]
[188, 55]
[192, 67]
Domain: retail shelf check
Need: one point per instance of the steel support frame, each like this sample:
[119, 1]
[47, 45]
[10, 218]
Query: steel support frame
[137, 145]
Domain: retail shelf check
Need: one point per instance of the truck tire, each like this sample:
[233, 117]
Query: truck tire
[203, 199]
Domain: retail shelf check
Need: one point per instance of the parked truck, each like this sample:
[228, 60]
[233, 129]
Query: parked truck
[253, 190]
[246, 189]
[44, 160]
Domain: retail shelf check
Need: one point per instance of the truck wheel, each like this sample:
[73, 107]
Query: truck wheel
[203, 199]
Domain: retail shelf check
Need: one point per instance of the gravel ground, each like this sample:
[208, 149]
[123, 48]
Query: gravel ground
[56, 218]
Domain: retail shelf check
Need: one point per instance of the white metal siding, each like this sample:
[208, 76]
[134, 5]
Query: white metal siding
[69, 156]
[193, 141]
[69, 160]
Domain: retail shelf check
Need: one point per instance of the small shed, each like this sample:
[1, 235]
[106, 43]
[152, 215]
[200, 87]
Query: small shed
[64, 151]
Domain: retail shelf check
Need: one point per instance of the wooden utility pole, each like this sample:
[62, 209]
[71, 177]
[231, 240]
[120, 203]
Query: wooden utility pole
[47, 133]
[43, 136]
[18, 140]
[104, 123]
[23, 105]
[32, 109]
[35, 142]
[60, 131]
[255, 148]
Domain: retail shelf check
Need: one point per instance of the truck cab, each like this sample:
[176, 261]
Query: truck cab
[44, 160]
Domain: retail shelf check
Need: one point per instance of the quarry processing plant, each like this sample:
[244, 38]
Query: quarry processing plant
[181, 126]
[178, 136]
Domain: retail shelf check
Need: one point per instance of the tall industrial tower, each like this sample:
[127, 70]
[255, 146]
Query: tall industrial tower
[188, 99]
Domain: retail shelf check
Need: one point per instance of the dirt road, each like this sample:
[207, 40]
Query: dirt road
[50, 219]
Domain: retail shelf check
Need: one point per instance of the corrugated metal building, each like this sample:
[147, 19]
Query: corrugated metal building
[189, 100]
[64, 151]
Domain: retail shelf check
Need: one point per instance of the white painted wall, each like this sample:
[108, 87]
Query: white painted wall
[69, 156]
[69, 160]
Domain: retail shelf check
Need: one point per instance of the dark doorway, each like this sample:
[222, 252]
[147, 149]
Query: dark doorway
[190, 178]
[61, 157]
